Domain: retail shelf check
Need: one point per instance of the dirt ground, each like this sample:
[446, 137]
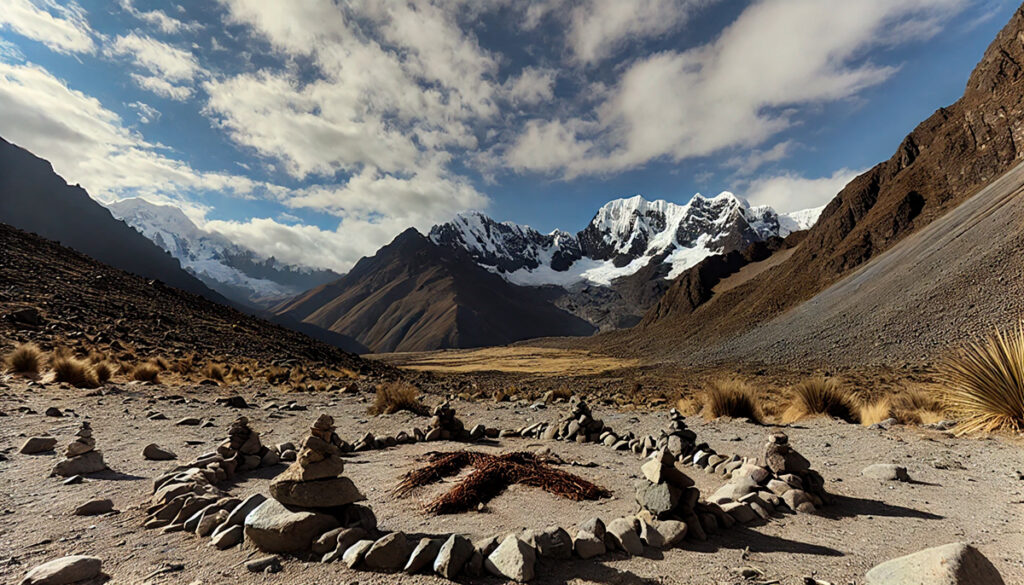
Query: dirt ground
[964, 490]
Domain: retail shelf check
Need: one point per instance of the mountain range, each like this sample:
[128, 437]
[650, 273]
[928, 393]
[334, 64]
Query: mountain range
[474, 281]
[228, 268]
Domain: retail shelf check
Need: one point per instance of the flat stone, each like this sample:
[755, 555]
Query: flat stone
[950, 564]
[886, 472]
[624, 536]
[37, 445]
[94, 507]
[228, 538]
[673, 531]
[210, 521]
[586, 545]
[388, 553]
[189, 422]
[355, 553]
[91, 462]
[237, 515]
[453, 555]
[513, 559]
[423, 555]
[658, 498]
[273, 528]
[154, 452]
[651, 536]
[329, 492]
[271, 564]
[734, 490]
[64, 571]
[740, 511]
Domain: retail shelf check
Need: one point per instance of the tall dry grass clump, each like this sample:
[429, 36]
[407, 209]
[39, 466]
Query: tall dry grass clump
[78, 373]
[214, 372]
[733, 398]
[395, 396]
[918, 406]
[146, 372]
[821, 396]
[875, 412]
[984, 383]
[103, 371]
[25, 359]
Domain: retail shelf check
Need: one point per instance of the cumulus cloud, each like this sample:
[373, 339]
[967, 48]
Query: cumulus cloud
[756, 158]
[162, 87]
[157, 57]
[531, 86]
[158, 18]
[599, 27]
[793, 192]
[61, 27]
[737, 91]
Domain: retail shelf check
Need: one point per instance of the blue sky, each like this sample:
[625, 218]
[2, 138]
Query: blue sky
[317, 130]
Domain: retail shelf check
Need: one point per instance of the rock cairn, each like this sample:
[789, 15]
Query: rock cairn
[678, 439]
[780, 478]
[309, 499]
[314, 480]
[580, 425]
[81, 456]
[445, 426]
[187, 499]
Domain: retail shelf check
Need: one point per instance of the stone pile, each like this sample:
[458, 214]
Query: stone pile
[678, 439]
[445, 426]
[670, 506]
[81, 456]
[579, 426]
[309, 499]
[780, 478]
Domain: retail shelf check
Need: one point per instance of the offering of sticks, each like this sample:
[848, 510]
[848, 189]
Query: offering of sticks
[491, 475]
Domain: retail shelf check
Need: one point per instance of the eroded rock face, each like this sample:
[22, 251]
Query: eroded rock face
[951, 564]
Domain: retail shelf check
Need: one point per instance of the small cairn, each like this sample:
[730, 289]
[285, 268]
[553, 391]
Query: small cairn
[780, 478]
[314, 480]
[445, 426]
[665, 491]
[242, 451]
[579, 426]
[81, 456]
[678, 439]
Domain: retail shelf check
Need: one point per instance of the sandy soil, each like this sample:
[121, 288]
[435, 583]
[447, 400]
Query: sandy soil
[965, 490]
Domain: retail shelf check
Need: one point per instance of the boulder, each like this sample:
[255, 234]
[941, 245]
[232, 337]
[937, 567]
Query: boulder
[673, 531]
[273, 528]
[328, 492]
[950, 564]
[453, 555]
[513, 560]
[658, 498]
[36, 445]
[423, 555]
[388, 553]
[355, 553]
[154, 452]
[587, 545]
[64, 571]
[624, 536]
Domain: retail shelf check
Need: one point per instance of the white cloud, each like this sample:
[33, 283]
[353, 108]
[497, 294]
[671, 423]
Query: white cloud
[162, 87]
[157, 57]
[62, 28]
[750, 162]
[531, 86]
[791, 192]
[90, 145]
[599, 27]
[158, 18]
[146, 112]
[737, 91]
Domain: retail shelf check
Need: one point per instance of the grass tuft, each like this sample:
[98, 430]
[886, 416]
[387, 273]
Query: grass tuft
[984, 384]
[103, 371]
[875, 412]
[821, 396]
[73, 371]
[146, 372]
[395, 396]
[214, 372]
[733, 398]
[25, 359]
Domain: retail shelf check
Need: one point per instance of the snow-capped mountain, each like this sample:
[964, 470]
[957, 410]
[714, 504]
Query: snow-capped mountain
[624, 236]
[228, 268]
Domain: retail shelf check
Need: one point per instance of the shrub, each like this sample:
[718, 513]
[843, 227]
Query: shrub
[185, 365]
[875, 412]
[984, 383]
[214, 372]
[103, 372]
[161, 363]
[733, 398]
[918, 406]
[395, 396]
[25, 359]
[74, 371]
[821, 396]
[277, 375]
[146, 372]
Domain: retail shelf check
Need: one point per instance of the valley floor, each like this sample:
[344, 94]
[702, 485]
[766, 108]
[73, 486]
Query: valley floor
[963, 490]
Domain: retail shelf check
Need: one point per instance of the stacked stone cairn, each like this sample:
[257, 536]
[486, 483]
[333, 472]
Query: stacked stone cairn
[443, 426]
[309, 499]
[81, 456]
[187, 499]
[580, 425]
[780, 478]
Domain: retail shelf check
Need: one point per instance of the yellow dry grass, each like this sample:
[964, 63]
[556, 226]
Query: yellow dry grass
[395, 396]
[518, 360]
[984, 384]
[25, 359]
[733, 398]
[73, 371]
[146, 372]
[820, 396]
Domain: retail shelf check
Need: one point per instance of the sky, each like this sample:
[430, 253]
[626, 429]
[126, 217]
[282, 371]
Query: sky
[315, 131]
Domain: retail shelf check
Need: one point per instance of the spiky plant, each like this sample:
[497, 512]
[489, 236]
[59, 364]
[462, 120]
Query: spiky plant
[733, 398]
[25, 359]
[103, 371]
[146, 372]
[821, 396]
[74, 371]
[395, 396]
[984, 383]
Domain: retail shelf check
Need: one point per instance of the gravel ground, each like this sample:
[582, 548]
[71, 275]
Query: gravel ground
[964, 490]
